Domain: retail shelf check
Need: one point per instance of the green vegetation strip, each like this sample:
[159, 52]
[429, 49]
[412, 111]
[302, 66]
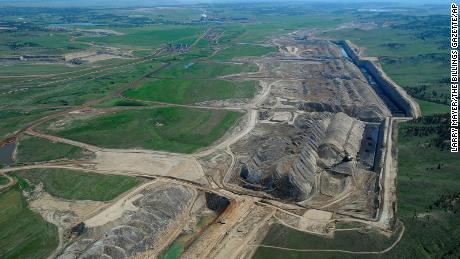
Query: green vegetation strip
[24, 233]
[192, 91]
[185, 239]
[151, 36]
[205, 70]
[76, 185]
[32, 149]
[243, 50]
[169, 129]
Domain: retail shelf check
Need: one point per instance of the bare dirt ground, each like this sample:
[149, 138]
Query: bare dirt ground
[63, 213]
[115, 210]
[151, 163]
[206, 243]
[97, 54]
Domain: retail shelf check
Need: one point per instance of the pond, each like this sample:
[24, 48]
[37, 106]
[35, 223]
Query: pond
[6, 153]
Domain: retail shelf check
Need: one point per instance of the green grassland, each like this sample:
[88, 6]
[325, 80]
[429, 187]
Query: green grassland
[243, 50]
[204, 70]
[32, 149]
[427, 187]
[82, 88]
[77, 185]
[34, 69]
[150, 36]
[350, 240]
[270, 25]
[192, 91]
[169, 129]
[24, 233]
[430, 108]
[412, 51]
[37, 42]
[12, 120]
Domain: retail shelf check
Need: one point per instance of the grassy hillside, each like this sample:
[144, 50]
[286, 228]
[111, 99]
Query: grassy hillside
[191, 91]
[14, 119]
[169, 129]
[204, 70]
[24, 233]
[77, 185]
[32, 149]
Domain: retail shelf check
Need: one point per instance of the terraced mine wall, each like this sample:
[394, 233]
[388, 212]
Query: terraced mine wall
[388, 86]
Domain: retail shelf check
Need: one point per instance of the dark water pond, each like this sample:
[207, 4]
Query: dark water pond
[6, 154]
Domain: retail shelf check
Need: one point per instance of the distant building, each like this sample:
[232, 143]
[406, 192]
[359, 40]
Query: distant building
[204, 17]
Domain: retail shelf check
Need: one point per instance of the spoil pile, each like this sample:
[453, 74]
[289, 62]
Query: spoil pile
[137, 230]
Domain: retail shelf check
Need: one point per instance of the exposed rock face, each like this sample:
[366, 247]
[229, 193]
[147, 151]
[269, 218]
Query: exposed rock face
[137, 231]
[288, 165]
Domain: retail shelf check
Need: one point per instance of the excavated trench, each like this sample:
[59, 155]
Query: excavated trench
[396, 109]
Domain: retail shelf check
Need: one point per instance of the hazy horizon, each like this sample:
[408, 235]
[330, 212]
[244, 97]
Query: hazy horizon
[64, 3]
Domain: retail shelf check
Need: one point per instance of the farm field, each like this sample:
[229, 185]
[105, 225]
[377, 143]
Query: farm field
[168, 129]
[183, 91]
[33, 149]
[73, 185]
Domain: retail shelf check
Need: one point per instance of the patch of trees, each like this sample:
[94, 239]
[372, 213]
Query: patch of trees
[422, 93]
[448, 202]
[394, 45]
[422, 23]
[422, 58]
[436, 126]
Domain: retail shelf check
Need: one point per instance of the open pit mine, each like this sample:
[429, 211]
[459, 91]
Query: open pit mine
[314, 147]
